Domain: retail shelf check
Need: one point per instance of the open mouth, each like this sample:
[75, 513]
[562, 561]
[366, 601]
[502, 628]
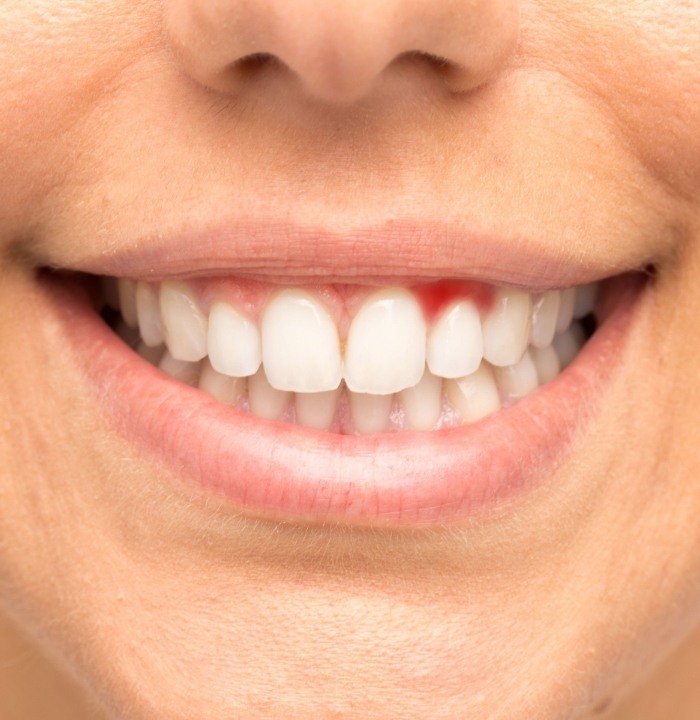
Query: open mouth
[354, 359]
[339, 396]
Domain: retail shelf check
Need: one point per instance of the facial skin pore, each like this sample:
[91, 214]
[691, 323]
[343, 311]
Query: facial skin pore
[570, 128]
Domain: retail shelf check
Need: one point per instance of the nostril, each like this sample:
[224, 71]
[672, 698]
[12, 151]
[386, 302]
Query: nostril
[256, 60]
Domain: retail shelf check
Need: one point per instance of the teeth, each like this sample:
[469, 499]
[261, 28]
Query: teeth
[568, 344]
[181, 370]
[233, 341]
[423, 402]
[127, 301]
[301, 349]
[586, 296]
[547, 363]
[396, 374]
[148, 312]
[265, 401]
[545, 311]
[227, 390]
[185, 324]
[474, 396]
[506, 328]
[517, 381]
[455, 344]
[385, 350]
[317, 410]
[566, 309]
[370, 413]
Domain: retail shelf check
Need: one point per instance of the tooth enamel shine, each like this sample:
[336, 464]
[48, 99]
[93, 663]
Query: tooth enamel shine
[385, 350]
[300, 344]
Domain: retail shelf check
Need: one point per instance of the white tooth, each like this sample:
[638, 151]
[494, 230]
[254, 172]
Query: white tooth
[110, 292]
[370, 413]
[233, 341]
[517, 381]
[317, 410]
[423, 402]
[181, 370]
[585, 300]
[566, 309]
[225, 389]
[265, 401]
[545, 311]
[547, 363]
[148, 313]
[300, 344]
[506, 327]
[569, 343]
[474, 396]
[385, 350]
[127, 301]
[150, 354]
[185, 324]
[455, 344]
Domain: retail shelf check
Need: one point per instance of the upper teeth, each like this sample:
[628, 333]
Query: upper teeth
[295, 342]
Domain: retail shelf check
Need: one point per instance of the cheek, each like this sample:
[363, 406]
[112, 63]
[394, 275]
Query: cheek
[58, 60]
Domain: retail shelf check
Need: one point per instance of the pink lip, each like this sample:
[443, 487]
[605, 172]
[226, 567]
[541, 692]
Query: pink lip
[390, 253]
[288, 472]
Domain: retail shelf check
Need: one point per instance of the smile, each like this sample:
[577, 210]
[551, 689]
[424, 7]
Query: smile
[315, 393]
[353, 359]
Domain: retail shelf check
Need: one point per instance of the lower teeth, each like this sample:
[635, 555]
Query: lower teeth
[433, 404]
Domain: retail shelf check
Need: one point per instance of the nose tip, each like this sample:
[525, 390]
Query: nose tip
[339, 49]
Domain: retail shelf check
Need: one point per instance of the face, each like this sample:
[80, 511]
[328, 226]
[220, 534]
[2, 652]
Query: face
[344, 192]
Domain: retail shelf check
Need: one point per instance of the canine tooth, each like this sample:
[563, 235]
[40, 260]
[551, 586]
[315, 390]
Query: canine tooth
[150, 354]
[185, 324]
[233, 341]
[385, 350]
[569, 343]
[223, 388]
[370, 413]
[148, 313]
[545, 311]
[506, 327]
[474, 396]
[317, 410]
[127, 301]
[181, 370]
[585, 300]
[566, 309]
[455, 344]
[546, 362]
[516, 381]
[423, 402]
[300, 344]
[110, 292]
[265, 401]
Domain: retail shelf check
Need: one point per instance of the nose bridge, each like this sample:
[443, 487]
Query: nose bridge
[338, 48]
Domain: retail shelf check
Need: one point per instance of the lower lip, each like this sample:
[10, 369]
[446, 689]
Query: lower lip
[287, 472]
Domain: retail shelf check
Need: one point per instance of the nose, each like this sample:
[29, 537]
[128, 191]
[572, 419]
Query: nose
[339, 49]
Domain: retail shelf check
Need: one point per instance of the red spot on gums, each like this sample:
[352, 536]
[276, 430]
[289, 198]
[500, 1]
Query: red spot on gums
[436, 296]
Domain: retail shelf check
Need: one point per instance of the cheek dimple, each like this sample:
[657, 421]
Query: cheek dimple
[436, 296]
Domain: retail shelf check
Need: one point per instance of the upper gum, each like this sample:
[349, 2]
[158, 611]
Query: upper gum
[341, 301]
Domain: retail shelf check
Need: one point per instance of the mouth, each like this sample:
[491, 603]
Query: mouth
[373, 400]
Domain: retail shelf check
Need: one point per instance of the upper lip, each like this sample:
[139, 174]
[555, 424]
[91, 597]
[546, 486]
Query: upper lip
[395, 252]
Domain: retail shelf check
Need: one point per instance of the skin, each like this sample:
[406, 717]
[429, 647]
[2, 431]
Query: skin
[121, 597]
